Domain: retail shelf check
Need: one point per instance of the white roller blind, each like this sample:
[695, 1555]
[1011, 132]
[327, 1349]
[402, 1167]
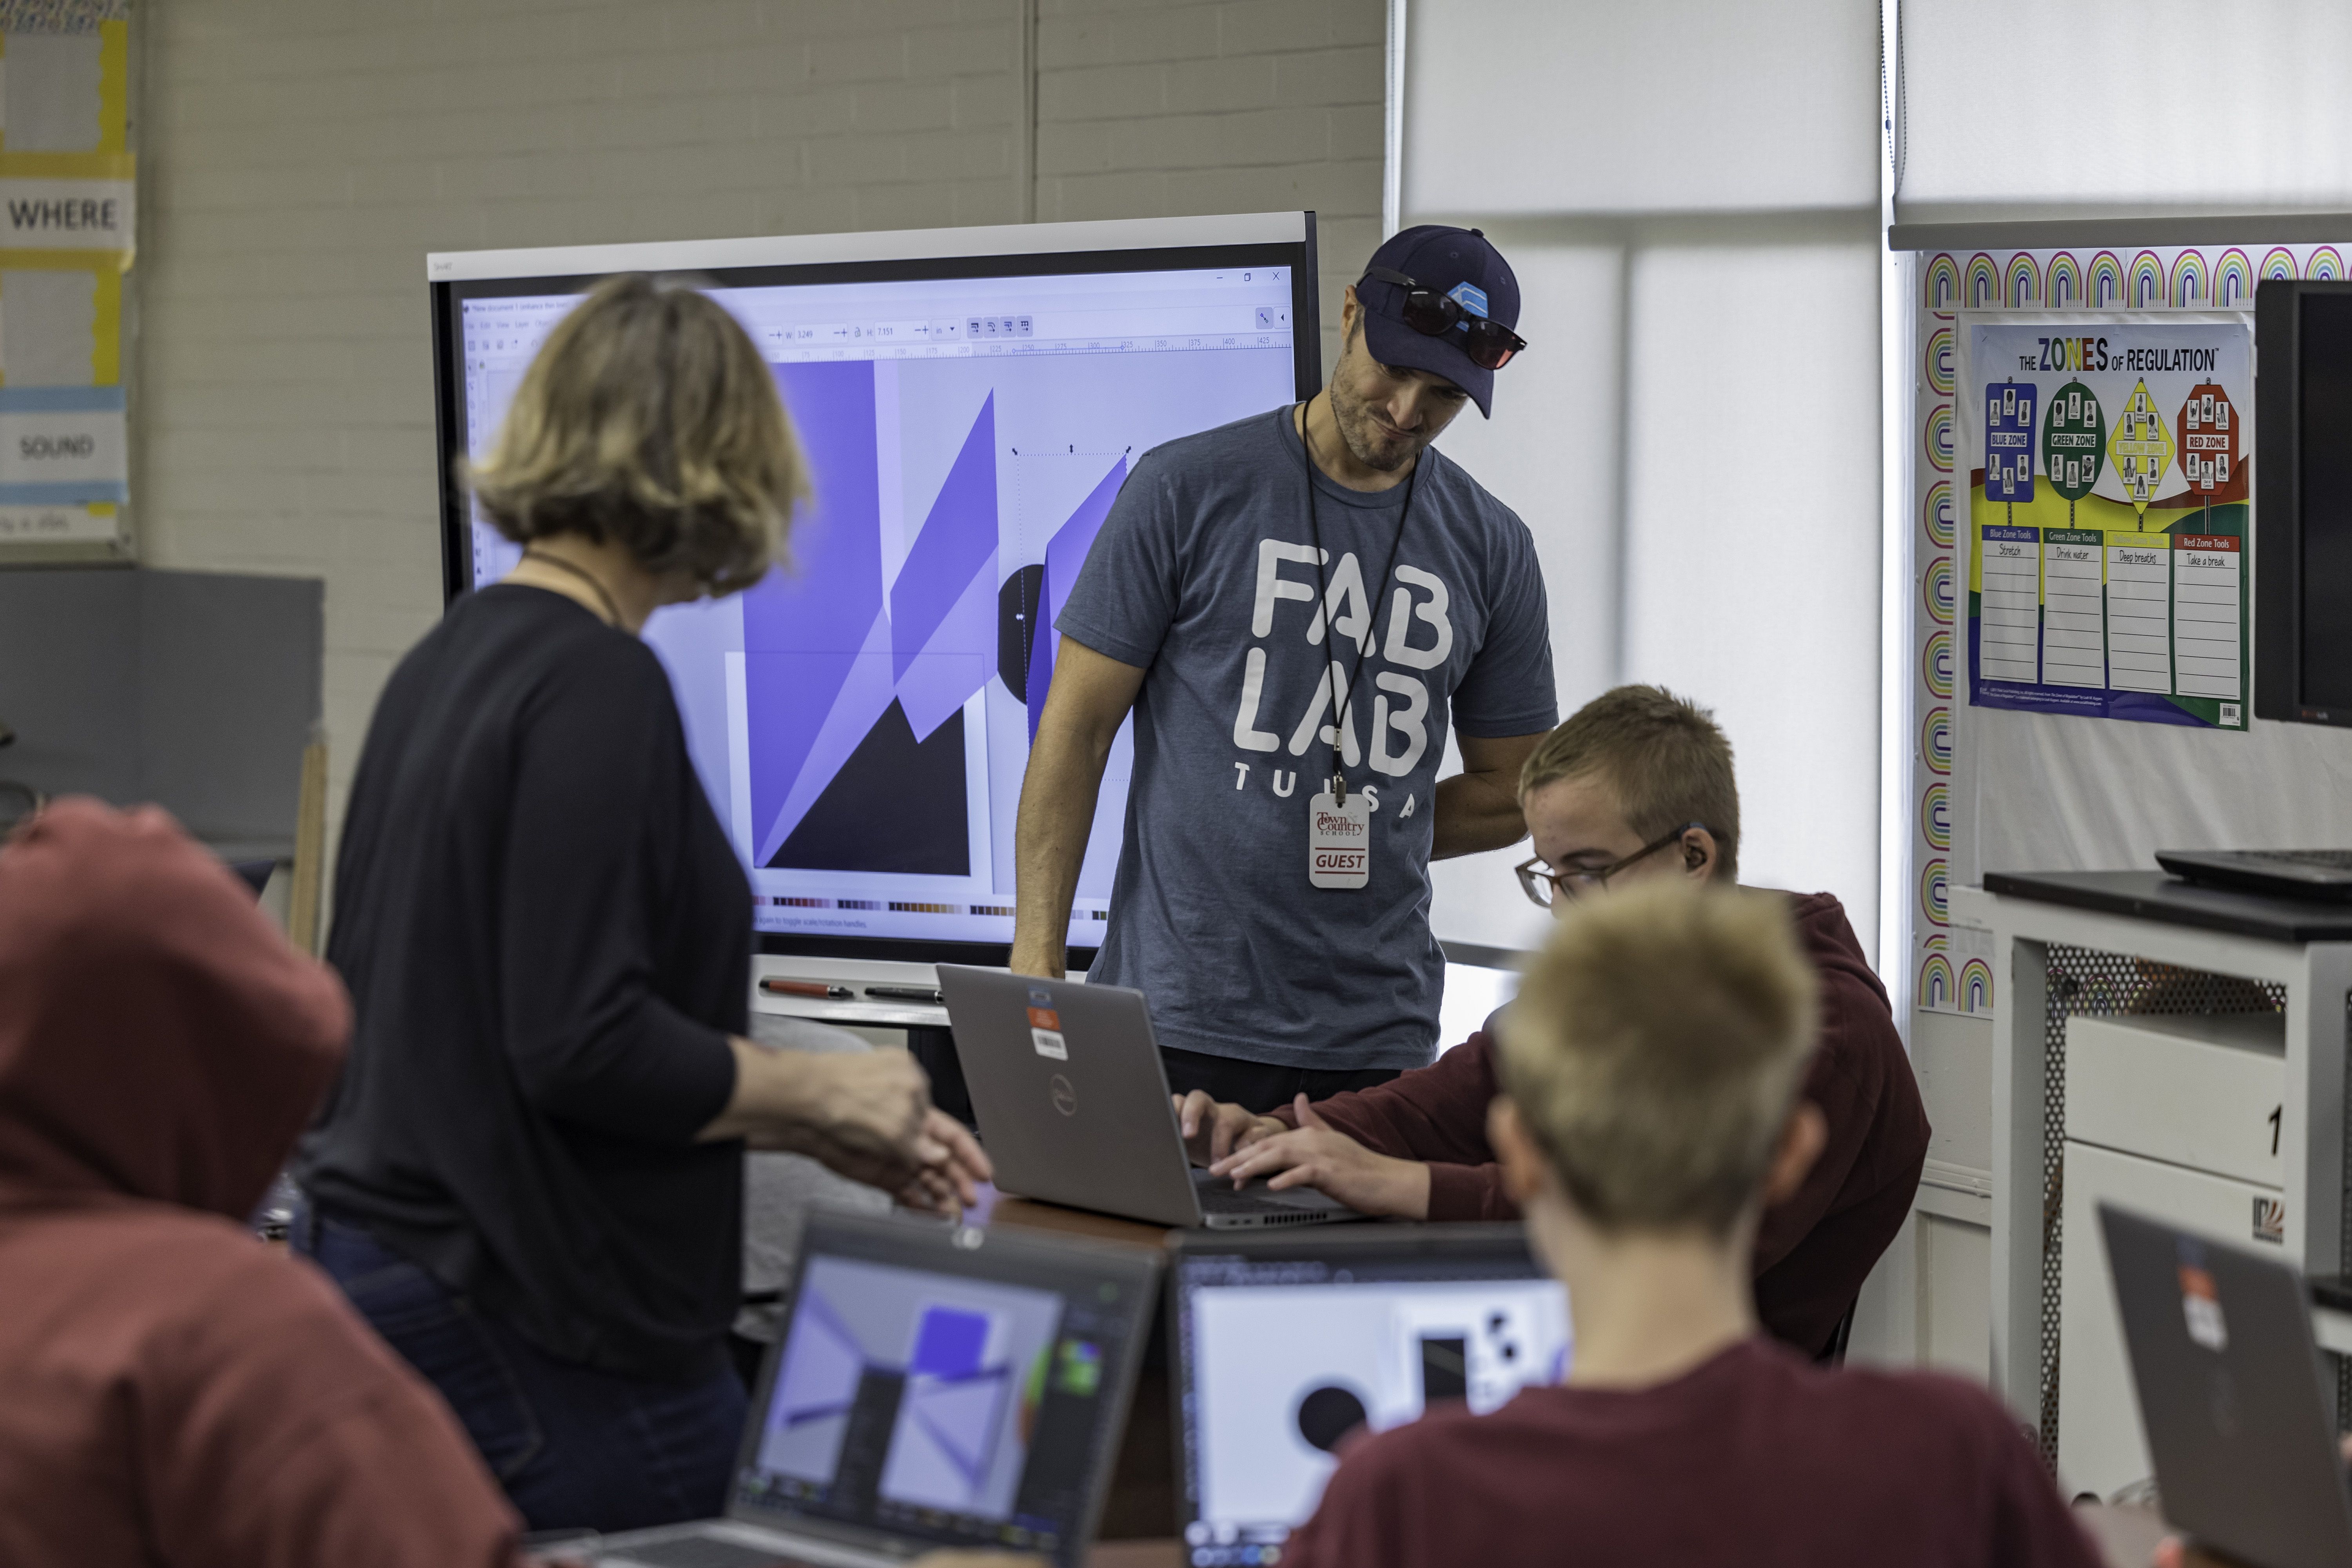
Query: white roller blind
[1551, 451]
[1560, 106]
[1688, 193]
[1753, 557]
[2022, 104]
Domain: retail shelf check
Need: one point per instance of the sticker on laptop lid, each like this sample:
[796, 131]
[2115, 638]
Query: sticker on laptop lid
[2201, 1308]
[1049, 1043]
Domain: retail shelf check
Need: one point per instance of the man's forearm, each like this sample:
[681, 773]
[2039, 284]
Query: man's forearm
[1475, 812]
[1049, 845]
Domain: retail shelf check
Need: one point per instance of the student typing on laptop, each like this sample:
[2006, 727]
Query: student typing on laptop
[1636, 788]
[1651, 1070]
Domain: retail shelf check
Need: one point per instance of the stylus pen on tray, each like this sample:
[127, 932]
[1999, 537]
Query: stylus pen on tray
[816, 988]
[904, 993]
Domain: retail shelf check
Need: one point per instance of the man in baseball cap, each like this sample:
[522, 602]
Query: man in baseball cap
[1441, 300]
[1304, 602]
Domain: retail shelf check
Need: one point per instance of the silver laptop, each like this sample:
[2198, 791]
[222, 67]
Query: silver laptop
[1073, 1106]
[2229, 1396]
[1282, 1344]
[933, 1386]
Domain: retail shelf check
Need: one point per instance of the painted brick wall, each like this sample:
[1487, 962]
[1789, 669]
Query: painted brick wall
[301, 158]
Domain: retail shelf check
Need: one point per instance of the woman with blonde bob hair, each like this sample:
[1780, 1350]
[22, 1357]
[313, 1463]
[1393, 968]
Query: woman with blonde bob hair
[530, 1174]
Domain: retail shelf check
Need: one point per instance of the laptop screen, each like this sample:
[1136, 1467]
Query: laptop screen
[1286, 1343]
[947, 1386]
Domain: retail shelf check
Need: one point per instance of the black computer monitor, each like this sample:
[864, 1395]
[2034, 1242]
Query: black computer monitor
[2302, 495]
[969, 401]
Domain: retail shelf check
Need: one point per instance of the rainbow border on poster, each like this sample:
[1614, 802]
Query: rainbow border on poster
[2064, 278]
[2191, 281]
[1982, 284]
[2147, 284]
[1937, 991]
[2024, 281]
[2233, 279]
[1939, 439]
[1940, 364]
[2325, 266]
[2105, 279]
[1939, 282]
[2278, 264]
[1936, 741]
[1936, 891]
[1936, 816]
[1936, 517]
[1939, 591]
[1939, 672]
[1976, 986]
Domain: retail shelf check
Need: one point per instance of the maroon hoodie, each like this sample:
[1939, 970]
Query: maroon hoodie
[173, 1391]
[1813, 1250]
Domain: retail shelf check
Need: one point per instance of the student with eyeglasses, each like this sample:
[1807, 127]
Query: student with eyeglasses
[1296, 608]
[1636, 788]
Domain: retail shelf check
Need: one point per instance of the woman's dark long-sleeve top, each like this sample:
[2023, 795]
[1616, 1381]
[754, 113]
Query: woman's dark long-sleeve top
[547, 938]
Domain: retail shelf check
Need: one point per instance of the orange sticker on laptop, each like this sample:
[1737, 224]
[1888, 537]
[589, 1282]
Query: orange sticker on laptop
[2200, 1307]
[1045, 1018]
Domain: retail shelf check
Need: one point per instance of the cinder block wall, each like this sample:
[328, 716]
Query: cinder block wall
[300, 159]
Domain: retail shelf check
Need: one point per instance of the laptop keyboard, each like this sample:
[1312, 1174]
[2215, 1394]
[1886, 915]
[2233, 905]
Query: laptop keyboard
[2331, 859]
[706, 1552]
[1220, 1196]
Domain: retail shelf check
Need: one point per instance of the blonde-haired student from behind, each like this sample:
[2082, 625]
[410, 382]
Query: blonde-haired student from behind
[1650, 1109]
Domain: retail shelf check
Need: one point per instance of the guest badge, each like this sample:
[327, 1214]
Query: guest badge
[1340, 839]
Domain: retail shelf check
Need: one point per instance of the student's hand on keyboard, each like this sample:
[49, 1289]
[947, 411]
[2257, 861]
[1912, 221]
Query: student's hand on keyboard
[1319, 1155]
[1214, 1129]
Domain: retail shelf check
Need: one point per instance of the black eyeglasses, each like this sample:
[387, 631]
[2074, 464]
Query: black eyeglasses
[1490, 345]
[1542, 885]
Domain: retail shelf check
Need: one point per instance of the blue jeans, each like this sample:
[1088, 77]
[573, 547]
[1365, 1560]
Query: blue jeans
[574, 1447]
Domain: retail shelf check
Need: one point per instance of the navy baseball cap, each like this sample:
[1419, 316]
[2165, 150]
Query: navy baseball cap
[1460, 263]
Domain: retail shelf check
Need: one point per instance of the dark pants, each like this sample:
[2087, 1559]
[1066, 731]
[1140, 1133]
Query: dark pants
[574, 1447]
[1259, 1085]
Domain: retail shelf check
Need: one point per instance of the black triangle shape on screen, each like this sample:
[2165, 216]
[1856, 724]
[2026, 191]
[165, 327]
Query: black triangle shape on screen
[896, 805]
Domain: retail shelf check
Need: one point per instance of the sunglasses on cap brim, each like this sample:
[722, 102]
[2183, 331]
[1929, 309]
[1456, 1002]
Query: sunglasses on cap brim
[1488, 345]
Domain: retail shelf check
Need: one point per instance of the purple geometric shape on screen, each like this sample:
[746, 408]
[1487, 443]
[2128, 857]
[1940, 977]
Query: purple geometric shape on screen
[817, 612]
[958, 539]
[1065, 555]
[862, 697]
[948, 1343]
[957, 661]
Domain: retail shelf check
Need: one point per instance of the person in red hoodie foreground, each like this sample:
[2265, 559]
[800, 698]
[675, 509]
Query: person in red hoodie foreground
[1650, 1070]
[172, 1391]
[1636, 788]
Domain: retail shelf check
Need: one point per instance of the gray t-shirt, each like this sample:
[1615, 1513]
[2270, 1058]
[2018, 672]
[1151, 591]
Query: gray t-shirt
[1205, 576]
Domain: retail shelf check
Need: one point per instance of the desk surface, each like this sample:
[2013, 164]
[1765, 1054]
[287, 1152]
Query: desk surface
[2125, 1537]
[1028, 1214]
[2157, 895]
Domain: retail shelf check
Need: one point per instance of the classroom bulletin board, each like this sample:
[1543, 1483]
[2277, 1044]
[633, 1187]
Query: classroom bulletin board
[2081, 567]
[68, 220]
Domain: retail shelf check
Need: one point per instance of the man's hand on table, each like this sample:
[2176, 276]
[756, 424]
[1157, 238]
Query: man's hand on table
[1214, 1128]
[1316, 1154]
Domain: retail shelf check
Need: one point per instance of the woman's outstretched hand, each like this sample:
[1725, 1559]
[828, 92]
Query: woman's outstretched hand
[866, 1115]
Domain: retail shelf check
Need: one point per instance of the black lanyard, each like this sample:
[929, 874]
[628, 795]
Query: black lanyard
[1372, 597]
